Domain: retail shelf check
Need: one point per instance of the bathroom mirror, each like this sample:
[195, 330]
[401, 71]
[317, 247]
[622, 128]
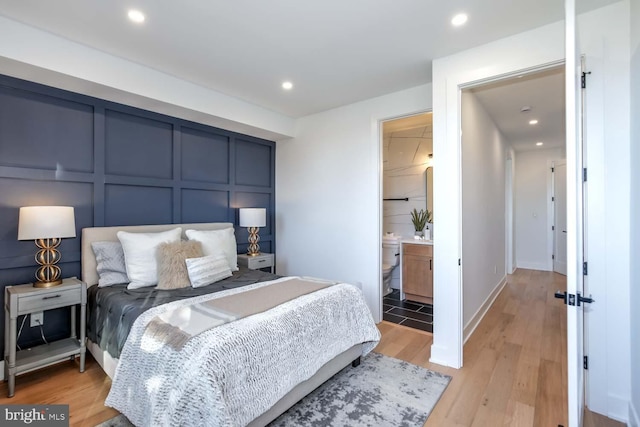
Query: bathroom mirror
[429, 188]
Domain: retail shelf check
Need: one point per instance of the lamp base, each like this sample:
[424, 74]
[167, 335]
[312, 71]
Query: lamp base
[47, 284]
[48, 274]
[254, 238]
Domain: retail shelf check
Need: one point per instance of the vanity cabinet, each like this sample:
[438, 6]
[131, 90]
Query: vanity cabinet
[417, 272]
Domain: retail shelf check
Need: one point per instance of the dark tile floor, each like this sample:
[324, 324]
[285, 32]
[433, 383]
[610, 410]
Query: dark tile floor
[408, 313]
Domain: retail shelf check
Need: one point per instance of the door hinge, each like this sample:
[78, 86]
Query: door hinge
[585, 269]
[459, 263]
[553, 228]
[553, 257]
[584, 174]
[553, 170]
[583, 80]
[585, 362]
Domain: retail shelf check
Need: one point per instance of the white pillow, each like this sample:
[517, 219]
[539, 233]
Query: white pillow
[207, 270]
[217, 242]
[140, 255]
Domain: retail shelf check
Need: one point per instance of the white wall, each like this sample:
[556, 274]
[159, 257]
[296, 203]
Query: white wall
[532, 222]
[484, 154]
[36, 55]
[634, 410]
[605, 41]
[513, 54]
[328, 192]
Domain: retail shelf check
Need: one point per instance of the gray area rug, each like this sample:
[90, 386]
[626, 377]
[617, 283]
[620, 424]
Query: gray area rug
[382, 391]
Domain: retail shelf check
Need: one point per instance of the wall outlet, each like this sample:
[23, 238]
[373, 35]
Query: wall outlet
[37, 319]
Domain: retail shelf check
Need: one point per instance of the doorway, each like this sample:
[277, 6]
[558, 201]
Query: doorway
[407, 158]
[512, 129]
[560, 217]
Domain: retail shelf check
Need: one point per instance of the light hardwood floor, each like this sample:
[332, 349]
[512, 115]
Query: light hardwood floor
[514, 370]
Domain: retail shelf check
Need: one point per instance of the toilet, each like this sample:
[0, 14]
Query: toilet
[390, 259]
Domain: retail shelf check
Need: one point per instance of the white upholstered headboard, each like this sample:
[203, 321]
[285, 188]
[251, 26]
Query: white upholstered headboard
[109, 234]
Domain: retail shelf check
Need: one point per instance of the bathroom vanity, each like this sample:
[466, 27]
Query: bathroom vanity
[416, 275]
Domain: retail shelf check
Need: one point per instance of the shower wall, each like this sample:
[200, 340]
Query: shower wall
[406, 155]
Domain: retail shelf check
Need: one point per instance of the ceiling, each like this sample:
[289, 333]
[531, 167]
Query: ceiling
[543, 94]
[335, 52]
[407, 142]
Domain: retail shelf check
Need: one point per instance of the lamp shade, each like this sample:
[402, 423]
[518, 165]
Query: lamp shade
[253, 217]
[46, 222]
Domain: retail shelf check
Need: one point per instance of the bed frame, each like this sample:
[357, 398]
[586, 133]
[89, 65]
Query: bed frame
[109, 364]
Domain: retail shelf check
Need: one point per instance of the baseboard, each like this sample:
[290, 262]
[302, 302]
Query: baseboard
[440, 356]
[532, 265]
[484, 308]
[634, 419]
[618, 408]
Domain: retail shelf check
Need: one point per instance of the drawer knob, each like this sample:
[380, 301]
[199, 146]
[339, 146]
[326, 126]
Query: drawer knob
[52, 296]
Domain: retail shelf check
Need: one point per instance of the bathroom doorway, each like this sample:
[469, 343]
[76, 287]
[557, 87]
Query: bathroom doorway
[407, 163]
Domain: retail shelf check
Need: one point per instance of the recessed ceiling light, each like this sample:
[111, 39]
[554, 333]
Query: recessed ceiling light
[539, 143]
[136, 16]
[533, 122]
[459, 19]
[287, 85]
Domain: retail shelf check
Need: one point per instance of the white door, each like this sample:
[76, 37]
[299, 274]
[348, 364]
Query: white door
[560, 217]
[575, 250]
[509, 214]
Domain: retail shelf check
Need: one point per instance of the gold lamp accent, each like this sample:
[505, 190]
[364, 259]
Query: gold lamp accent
[253, 219]
[47, 225]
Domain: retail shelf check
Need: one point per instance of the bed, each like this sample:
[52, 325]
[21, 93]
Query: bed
[122, 354]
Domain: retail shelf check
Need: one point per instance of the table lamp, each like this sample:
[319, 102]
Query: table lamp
[253, 218]
[47, 225]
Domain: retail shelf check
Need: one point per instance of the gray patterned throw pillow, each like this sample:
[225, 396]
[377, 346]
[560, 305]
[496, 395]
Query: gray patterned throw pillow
[207, 270]
[111, 267]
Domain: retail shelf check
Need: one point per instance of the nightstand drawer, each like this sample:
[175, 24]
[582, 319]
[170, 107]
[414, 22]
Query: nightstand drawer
[259, 262]
[49, 300]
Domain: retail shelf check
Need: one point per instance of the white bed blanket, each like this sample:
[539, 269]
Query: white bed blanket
[230, 374]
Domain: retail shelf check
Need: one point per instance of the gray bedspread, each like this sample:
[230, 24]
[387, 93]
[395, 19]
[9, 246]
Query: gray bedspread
[112, 310]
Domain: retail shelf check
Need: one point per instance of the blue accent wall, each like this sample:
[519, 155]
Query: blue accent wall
[117, 165]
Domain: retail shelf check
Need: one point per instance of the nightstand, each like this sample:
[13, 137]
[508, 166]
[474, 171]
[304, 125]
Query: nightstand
[258, 262]
[25, 299]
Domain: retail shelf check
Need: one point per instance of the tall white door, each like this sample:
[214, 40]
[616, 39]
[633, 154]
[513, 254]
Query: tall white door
[575, 249]
[560, 217]
[509, 214]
